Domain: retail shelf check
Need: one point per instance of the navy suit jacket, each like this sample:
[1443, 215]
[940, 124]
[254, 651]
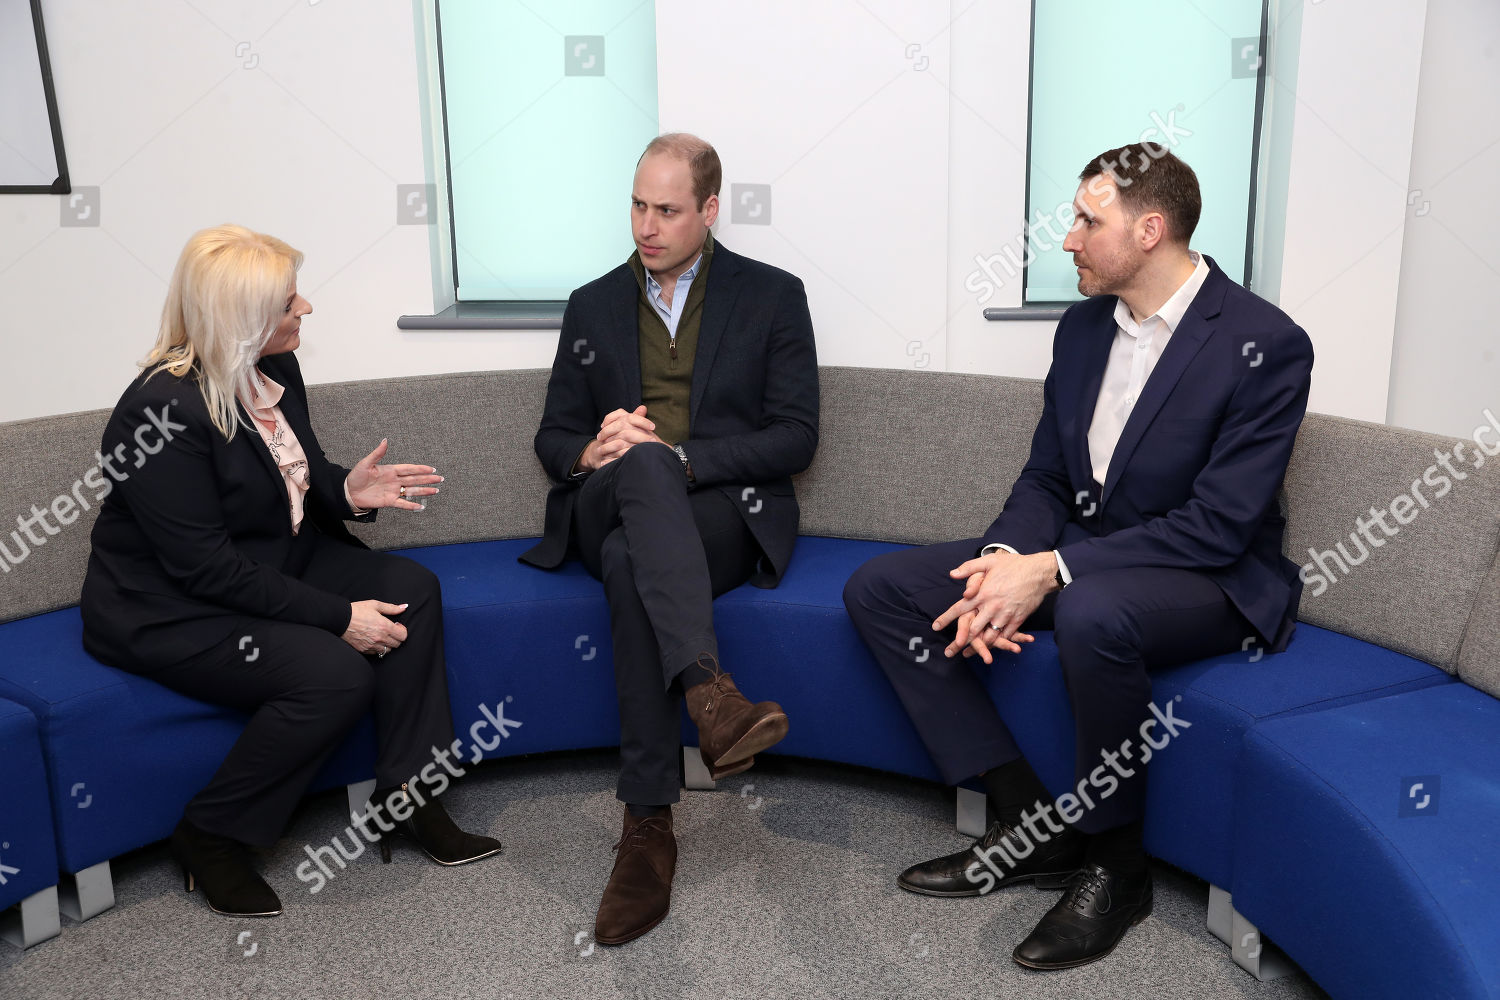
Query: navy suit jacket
[752, 406]
[1194, 482]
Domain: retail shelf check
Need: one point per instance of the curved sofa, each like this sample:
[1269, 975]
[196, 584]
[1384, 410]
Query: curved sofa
[1286, 788]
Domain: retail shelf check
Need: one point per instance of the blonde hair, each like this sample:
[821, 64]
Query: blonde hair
[227, 295]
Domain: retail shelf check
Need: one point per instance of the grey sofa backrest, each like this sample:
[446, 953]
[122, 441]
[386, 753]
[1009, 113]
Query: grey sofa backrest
[930, 456]
[48, 458]
[903, 456]
[901, 459]
[1479, 660]
[1415, 590]
[475, 428]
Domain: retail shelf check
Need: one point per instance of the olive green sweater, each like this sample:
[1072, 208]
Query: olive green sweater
[667, 364]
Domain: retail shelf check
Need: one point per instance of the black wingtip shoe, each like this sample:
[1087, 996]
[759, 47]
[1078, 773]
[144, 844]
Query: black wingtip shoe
[1013, 856]
[1090, 919]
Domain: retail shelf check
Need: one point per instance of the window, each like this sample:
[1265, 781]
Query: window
[548, 106]
[1182, 73]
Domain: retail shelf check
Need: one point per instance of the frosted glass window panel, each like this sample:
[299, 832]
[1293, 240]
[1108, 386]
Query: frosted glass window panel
[1180, 72]
[30, 162]
[548, 109]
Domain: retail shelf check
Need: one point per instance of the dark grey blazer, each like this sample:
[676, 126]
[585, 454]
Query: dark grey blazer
[753, 408]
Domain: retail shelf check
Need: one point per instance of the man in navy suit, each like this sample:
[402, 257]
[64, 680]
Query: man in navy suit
[683, 397]
[1145, 530]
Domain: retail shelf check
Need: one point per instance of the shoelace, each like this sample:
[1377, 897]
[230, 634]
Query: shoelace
[994, 834]
[635, 837]
[1084, 891]
[719, 676]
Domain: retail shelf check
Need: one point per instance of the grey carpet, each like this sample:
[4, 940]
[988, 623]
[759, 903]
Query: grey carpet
[785, 888]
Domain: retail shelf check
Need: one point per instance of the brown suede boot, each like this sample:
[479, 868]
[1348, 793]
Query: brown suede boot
[730, 729]
[716, 773]
[640, 887]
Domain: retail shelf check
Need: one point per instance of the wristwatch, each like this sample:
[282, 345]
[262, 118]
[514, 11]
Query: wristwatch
[687, 467]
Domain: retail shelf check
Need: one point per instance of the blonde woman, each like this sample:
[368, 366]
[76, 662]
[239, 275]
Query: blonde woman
[221, 568]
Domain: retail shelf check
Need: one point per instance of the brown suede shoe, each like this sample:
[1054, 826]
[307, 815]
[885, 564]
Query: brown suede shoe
[640, 887]
[730, 729]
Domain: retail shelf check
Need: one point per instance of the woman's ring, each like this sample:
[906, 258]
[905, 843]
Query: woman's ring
[380, 651]
[402, 493]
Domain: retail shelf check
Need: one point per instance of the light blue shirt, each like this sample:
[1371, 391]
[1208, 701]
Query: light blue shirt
[672, 315]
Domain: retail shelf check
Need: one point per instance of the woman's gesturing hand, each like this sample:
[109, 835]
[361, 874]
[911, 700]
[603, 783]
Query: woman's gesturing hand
[370, 631]
[372, 485]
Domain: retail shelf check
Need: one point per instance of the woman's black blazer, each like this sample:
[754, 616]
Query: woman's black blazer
[196, 530]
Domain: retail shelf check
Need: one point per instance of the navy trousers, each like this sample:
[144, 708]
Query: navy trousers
[1110, 629]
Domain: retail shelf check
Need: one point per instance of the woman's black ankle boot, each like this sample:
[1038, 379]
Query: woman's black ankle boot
[429, 825]
[221, 868]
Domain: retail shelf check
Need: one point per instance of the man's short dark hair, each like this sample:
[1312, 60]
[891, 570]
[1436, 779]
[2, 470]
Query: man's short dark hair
[1150, 178]
[702, 161]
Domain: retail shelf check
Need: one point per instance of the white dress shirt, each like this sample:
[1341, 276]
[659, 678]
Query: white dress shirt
[1132, 358]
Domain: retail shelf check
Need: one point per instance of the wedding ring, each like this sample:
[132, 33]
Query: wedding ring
[402, 493]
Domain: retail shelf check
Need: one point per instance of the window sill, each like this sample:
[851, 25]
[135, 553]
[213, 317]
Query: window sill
[1025, 313]
[529, 315]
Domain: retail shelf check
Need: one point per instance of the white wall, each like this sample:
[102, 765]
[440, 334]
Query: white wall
[852, 137]
[1355, 106]
[987, 188]
[887, 179]
[1445, 370]
[296, 120]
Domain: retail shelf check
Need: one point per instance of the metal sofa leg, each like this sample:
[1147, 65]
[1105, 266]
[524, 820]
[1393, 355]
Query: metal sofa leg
[695, 772]
[1247, 947]
[973, 812]
[87, 893]
[32, 920]
[359, 800]
[1220, 914]
[1255, 955]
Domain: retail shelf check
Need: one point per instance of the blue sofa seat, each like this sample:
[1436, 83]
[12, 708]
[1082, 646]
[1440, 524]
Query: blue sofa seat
[529, 646]
[28, 852]
[1190, 798]
[538, 642]
[1374, 886]
[532, 648]
[124, 754]
[795, 644]
[799, 639]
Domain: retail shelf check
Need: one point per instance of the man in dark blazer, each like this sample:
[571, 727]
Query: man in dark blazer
[1145, 530]
[683, 398]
